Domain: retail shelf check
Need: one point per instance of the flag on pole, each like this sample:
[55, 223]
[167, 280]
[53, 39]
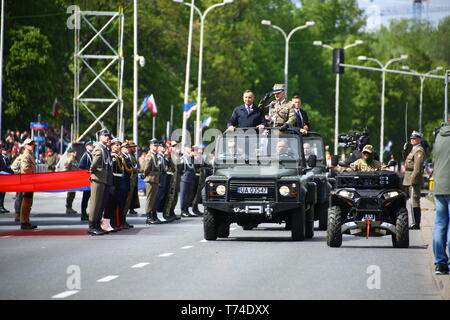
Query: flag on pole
[388, 146]
[189, 108]
[148, 104]
[56, 108]
[206, 122]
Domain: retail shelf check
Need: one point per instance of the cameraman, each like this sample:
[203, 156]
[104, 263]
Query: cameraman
[360, 141]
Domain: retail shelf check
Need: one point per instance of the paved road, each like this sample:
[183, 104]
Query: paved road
[174, 262]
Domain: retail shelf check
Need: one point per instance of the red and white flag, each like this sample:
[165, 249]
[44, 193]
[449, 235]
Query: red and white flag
[56, 108]
[151, 104]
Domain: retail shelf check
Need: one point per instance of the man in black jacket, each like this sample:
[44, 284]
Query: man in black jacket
[247, 115]
[301, 115]
[6, 167]
[85, 164]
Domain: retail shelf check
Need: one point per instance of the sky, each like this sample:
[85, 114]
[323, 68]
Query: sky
[379, 12]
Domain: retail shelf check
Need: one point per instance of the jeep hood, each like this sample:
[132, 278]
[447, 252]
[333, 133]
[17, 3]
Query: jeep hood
[255, 172]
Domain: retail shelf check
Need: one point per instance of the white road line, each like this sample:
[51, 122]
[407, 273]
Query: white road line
[186, 247]
[6, 237]
[107, 278]
[65, 294]
[140, 265]
[168, 254]
[204, 240]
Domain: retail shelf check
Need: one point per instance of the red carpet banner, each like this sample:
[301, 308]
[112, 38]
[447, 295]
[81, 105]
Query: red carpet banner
[48, 181]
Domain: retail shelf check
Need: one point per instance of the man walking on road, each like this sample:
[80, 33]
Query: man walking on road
[441, 235]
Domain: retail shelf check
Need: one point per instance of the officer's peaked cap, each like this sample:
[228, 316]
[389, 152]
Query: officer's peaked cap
[416, 134]
[104, 132]
[278, 87]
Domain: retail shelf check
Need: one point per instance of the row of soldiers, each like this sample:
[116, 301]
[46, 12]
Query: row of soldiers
[168, 171]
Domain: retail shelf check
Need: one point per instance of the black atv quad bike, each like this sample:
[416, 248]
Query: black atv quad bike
[368, 204]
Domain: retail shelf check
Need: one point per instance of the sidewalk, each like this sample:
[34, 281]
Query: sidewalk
[426, 230]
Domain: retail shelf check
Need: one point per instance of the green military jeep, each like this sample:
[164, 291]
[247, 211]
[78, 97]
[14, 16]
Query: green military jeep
[260, 178]
[313, 145]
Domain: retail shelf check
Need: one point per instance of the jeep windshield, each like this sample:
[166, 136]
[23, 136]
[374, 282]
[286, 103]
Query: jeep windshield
[314, 145]
[258, 149]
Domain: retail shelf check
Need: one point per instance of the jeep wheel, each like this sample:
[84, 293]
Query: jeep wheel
[210, 229]
[223, 228]
[401, 237]
[322, 213]
[334, 234]
[298, 224]
[309, 223]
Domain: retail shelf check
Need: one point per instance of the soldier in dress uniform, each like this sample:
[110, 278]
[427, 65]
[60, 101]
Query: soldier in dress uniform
[133, 197]
[27, 165]
[163, 185]
[111, 216]
[200, 173]
[125, 185]
[101, 180]
[85, 164]
[70, 164]
[187, 181]
[150, 172]
[282, 112]
[413, 178]
[174, 188]
[15, 167]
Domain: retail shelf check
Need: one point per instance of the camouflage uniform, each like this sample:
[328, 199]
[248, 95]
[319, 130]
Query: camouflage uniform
[366, 165]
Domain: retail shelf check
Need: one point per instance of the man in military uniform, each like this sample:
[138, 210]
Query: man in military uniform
[150, 172]
[101, 180]
[27, 165]
[125, 184]
[413, 178]
[366, 163]
[174, 189]
[5, 166]
[70, 164]
[15, 167]
[200, 173]
[85, 164]
[133, 197]
[282, 114]
[163, 185]
[187, 181]
[51, 161]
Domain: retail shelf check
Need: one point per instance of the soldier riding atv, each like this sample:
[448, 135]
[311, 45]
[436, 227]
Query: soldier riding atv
[370, 203]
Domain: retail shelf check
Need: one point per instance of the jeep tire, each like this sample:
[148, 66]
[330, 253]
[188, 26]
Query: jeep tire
[401, 237]
[309, 223]
[210, 225]
[298, 224]
[334, 234]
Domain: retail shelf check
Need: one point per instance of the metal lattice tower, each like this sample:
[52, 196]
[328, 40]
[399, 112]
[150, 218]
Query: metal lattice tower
[87, 95]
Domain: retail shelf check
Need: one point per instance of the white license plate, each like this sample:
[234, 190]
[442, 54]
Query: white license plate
[368, 216]
[252, 190]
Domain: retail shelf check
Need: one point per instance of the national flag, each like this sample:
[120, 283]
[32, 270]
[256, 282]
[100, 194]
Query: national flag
[188, 108]
[206, 122]
[144, 107]
[151, 104]
[388, 146]
[56, 108]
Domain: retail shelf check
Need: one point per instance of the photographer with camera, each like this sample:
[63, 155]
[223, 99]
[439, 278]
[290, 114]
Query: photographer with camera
[357, 142]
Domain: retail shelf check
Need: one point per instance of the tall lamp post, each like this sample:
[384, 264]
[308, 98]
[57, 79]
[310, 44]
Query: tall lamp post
[336, 126]
[200, 60]
[287, 37]
[422, 79]
[364, 58]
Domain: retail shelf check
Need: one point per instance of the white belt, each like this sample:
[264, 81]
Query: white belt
[117, 174]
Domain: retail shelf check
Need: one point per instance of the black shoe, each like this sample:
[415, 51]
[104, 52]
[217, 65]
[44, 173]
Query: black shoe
[414, 226]
[126, 225]
[84, 217]
[27, 226]
[197, 212]
[169, 218]
[441, 269]
[185, 214]
[95, 232]
[132, 212]
[3, 210]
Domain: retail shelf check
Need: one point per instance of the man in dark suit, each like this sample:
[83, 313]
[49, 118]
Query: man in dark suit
[301, 115]
[5, 166]
[247, 115]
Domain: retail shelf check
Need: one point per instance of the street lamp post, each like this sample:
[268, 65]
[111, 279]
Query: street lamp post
[200, 60]
[383, 80]
[287, 37]
[422, 79]
[336, 116]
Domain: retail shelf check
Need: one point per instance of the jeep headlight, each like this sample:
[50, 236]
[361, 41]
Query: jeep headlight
[391, 194]
[346, 194]
[221, 189]
[284, 191]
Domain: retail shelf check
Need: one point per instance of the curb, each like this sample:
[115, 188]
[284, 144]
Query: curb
[426, 229]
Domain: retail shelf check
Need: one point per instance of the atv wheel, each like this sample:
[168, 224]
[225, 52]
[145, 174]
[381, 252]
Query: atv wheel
[309, 223]
[210, 229]
[322, 212]
[401, 237]
[334, 234]
[298, 224]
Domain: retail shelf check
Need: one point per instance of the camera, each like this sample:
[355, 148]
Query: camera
[354, 140]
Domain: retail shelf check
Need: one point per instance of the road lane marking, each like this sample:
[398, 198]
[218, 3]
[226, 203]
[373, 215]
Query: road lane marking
[140, 265]
[107, 278]
[65, 294]
[186, 247]
[168, 254]
[204, 240]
